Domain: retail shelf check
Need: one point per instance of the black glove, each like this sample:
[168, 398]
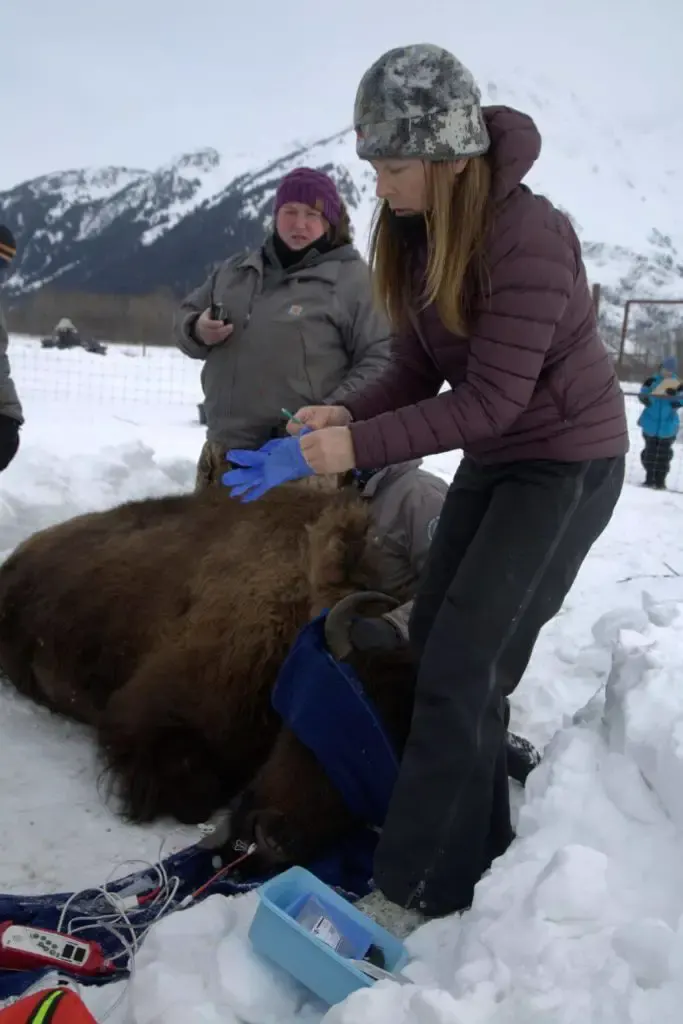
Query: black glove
[368, 634]
[9, 440]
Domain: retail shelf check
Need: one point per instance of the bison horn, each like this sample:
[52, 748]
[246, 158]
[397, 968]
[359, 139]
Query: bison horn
[340, 616]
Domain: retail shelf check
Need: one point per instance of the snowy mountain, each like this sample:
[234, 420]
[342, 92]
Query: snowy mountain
[129, 231]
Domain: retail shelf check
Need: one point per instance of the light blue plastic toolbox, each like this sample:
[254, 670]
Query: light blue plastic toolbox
[276, 935]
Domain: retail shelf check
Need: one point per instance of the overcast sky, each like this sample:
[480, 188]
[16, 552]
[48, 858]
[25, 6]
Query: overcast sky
[136, 82]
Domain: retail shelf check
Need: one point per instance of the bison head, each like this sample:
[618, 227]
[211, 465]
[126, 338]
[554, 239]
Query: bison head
[366, 608]
[290, 810]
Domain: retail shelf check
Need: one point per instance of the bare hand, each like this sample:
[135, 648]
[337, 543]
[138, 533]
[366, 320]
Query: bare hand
[317, 417]
[329, 450]
[211, 332]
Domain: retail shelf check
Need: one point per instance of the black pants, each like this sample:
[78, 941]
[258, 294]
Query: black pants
[656, 458]
[509, 544]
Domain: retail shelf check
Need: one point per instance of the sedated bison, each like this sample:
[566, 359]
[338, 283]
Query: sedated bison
[163, 624]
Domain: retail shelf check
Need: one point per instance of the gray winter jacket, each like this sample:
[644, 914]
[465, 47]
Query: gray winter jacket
[305, 335]
[405, 502]
[9, 400]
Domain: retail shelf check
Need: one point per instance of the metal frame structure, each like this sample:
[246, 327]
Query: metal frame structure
[627, 310]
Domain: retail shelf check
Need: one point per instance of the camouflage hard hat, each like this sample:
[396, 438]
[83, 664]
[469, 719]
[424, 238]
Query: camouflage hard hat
[419, 101]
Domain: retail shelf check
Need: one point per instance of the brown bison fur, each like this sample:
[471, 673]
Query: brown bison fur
[163, 623]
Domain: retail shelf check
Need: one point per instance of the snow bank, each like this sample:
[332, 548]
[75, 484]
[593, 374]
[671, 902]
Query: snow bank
[581, 921]
[49, 492]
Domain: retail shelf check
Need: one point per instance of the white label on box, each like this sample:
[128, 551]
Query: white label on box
[327, 933]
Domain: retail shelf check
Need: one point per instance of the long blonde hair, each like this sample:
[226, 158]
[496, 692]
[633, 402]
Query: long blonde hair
[457, 224]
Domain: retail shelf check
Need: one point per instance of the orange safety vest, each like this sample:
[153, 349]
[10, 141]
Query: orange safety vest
[51, 1006]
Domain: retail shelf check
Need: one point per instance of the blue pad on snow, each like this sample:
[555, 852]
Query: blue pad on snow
[347, 869]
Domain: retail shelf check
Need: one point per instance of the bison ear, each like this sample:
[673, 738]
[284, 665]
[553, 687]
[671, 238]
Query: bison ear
[341, 615]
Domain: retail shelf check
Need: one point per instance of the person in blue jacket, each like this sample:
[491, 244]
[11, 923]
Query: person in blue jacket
[662, 396]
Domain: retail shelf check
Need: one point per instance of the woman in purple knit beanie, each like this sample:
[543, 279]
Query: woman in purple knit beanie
[315, 190]
[290, 323]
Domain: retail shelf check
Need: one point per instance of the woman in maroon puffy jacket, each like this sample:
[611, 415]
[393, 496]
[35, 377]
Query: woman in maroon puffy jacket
[486, 289]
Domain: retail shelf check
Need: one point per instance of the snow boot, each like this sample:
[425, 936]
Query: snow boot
[394, 918]
[522, 757]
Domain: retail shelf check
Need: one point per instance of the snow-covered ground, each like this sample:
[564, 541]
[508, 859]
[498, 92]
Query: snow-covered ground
[581, 922]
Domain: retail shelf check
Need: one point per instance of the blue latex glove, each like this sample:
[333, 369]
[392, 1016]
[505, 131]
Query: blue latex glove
[273, 464]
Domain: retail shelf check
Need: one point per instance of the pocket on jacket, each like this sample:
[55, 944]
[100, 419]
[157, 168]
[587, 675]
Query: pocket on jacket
[324, 359]
[304, 369]
[273, 365]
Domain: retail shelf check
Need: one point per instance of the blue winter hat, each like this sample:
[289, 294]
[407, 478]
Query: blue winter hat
[669, 364]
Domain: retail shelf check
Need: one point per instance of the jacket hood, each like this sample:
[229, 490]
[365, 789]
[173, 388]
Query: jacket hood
[515, 147]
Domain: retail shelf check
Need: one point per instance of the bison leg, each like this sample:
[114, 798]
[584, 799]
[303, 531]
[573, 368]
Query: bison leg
[42, 683]
[176, 743]
[290, 810]
[61, 698]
